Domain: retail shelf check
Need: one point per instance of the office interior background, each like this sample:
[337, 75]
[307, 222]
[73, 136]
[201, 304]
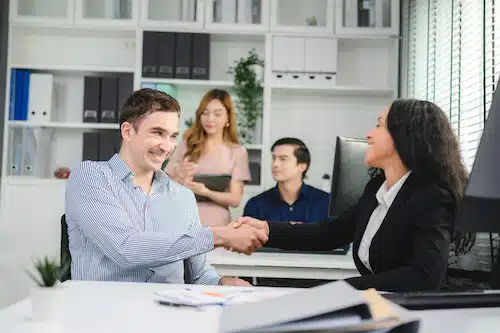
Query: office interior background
[322, 77]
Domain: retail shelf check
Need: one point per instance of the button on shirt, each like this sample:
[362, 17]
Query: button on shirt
[385, 198]
[310, 206]
[119, 233]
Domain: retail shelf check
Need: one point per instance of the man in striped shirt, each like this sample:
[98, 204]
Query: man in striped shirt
[128, 221]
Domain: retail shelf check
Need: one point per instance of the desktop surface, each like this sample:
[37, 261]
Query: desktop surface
[100, 307]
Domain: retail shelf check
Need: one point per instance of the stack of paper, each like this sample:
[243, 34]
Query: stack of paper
[199, 298]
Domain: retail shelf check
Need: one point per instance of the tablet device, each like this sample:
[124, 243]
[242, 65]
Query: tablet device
[214, 182]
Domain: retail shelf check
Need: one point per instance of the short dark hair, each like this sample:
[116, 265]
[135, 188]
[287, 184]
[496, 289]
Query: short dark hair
[301, 151]
[146, 101]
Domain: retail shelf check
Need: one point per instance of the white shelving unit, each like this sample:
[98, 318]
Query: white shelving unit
[75, 38]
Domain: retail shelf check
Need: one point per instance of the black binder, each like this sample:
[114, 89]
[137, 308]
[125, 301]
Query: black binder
[90, 151]
[200, 68]
[109, 93]
[108, 144]
[91, 99]
[166, 54]
[183, 47]
[125, 89]
[150, 53]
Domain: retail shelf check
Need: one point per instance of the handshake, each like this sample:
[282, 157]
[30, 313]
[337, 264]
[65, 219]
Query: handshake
[243, 235]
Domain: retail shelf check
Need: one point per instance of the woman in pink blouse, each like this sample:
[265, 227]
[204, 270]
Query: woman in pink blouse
[211, 146]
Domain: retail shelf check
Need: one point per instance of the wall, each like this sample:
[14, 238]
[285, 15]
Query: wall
[4, 25]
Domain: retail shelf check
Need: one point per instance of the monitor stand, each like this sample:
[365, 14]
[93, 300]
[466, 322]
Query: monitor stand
[446, 300]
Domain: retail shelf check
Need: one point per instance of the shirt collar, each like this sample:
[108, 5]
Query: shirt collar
[122, 170]
[387, 196]
[302, 192]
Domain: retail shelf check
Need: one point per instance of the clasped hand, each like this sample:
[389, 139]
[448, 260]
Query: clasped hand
[185, 171]
[245, 235]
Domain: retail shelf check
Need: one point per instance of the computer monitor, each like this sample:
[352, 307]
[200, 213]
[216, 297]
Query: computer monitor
[350, 174]
[480, 208]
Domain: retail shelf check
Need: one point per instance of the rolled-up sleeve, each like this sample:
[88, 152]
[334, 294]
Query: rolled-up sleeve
[92, 206]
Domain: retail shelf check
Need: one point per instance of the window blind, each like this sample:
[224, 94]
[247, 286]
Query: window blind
[453, 59]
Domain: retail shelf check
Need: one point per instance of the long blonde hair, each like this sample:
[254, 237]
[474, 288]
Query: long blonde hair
[195, 136]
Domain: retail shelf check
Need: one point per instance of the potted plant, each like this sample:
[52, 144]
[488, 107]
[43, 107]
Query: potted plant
[46, 296]
[248, 76]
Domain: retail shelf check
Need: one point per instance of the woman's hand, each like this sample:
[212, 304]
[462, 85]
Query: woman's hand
[185, 171]
[198, 188]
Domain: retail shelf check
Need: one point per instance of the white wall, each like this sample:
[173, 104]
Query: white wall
[31, 208]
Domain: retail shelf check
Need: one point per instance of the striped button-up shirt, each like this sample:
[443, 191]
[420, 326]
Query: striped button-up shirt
[119, 233]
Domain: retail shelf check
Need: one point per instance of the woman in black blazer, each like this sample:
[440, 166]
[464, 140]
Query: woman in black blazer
[402, 226]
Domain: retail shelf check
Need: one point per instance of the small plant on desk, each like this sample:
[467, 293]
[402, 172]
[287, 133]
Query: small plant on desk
[50, 272]
[47, 298]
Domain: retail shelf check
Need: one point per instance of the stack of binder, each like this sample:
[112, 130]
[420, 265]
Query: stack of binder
[177, 55]
[102, 101]
[30, 96]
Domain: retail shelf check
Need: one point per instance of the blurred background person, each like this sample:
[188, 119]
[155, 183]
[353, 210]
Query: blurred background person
[211, 146]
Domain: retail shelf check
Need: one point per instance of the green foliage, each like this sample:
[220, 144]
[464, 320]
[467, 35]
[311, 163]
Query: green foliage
[312, 21]
[49, 272]
[189, 122]
[249, 92]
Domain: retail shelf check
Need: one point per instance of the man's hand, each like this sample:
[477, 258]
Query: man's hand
[232, 281]
[244, 239]
[262, 225]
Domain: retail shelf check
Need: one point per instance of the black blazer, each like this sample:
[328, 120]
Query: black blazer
[408, 253]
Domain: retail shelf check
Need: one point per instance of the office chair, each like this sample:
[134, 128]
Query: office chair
[66, 254]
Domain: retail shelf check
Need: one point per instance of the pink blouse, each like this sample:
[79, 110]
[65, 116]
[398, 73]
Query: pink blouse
[223, 159]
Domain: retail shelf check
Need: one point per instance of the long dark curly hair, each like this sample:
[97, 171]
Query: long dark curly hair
[427, 145]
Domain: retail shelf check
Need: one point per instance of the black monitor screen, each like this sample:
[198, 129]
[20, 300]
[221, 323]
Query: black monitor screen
[350, 174]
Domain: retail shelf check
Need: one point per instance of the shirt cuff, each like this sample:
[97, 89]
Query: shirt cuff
[203, 238]
[210, 277]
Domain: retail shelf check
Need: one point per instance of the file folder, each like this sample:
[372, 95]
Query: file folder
[109, 96]
[125, 89]
[332, 307]
[183, 47]
[90, 151]
[166, 54]
[200, 68]
[40, 97]
[150, 54]
[91, 99]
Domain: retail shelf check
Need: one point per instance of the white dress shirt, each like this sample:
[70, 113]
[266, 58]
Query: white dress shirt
[385, 196]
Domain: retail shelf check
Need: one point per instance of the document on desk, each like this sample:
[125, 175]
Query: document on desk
[332, 307]
[200, 298]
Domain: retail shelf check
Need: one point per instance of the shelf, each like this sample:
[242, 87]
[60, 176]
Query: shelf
[64, 125]
[253, 146]
[185, 82]
[106, 69]
[29, 180]
[332, 89]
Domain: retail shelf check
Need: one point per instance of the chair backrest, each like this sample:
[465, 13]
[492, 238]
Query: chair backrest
[65, 253]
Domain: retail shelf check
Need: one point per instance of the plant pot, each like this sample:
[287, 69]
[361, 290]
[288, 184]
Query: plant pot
[259, 72]
[47, 303]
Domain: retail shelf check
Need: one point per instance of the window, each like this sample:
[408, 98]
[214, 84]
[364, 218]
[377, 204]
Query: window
[453, 59]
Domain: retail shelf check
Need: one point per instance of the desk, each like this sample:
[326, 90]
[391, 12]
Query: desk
[109, 307]
[283, 265]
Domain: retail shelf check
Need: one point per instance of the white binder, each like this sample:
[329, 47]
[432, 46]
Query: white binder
[40, 97]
